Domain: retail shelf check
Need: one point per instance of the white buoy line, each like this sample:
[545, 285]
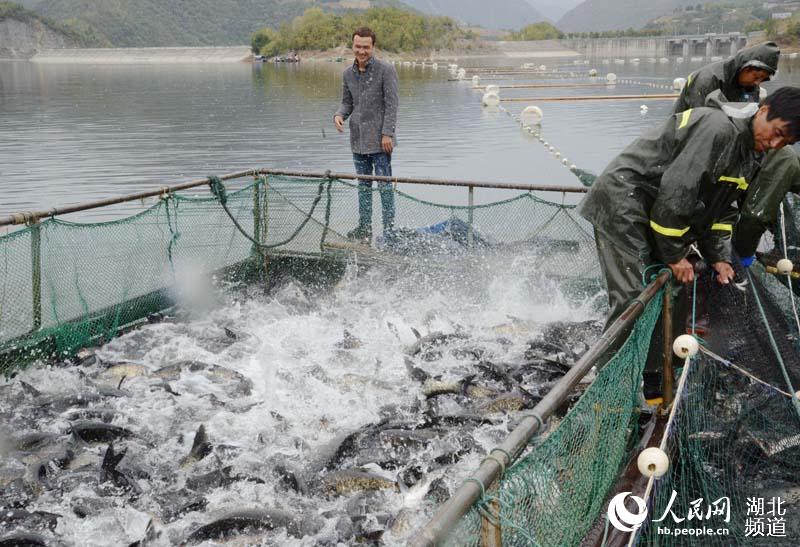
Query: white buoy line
[530, 121]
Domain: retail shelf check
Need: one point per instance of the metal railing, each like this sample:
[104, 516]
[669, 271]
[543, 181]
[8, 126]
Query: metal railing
[30, 217]
[448, 516]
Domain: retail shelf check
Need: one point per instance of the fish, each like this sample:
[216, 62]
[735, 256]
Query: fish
[505, 403]
[115, 373]
[349, 341]
[15, 518]
[252, 520]
[110, 473]
[151, 534]
[353, 480]
[200, 448]
[433, 339]
[99, 432]
[433, 388]
[23, 539]
[773, 448]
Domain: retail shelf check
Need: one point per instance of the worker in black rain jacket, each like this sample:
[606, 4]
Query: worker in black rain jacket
[759, 212]
[676, 186]
[738, 77]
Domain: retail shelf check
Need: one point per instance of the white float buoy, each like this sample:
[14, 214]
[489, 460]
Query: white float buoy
[573, 167]
[636, 60]
[462, 73]
[542, 68]
[435, 66]
[679, 60]
[611, 77]
[476, 80]
[762, 93]
[493, 88]
[643, 109]
[784, 266]
[593, 73]
[685, 346]
[565, 161]
[793, 56]
[678, 84]
[557, 155]
[653, 462]
[663, 60]
[491, 99]
[531, 115]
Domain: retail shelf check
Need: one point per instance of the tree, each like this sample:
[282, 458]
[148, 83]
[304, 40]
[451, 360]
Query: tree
[265, 42]
[537, 31]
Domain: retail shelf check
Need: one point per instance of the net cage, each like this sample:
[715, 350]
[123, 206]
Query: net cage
[66, 285]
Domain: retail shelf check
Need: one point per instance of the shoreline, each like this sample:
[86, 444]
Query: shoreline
[240, 54]
[144, 55]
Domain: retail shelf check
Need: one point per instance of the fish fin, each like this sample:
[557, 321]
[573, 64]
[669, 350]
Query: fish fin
[29, 389]
[416, 333]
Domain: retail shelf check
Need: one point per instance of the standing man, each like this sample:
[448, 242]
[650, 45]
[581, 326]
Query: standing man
[738, 78]
[370, 100]
[676, 186]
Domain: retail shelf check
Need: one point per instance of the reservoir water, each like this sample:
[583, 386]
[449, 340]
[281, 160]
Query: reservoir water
[72, 133]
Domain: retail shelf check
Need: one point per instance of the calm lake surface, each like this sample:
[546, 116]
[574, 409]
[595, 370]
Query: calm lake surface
[73, 133]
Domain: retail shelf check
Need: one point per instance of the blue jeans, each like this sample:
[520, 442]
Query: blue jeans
[381, 164]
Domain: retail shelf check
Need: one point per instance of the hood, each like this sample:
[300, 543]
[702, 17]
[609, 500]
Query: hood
[764, 56]
[717, 99]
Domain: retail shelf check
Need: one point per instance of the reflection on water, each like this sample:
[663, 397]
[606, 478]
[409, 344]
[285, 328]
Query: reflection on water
[72, 133]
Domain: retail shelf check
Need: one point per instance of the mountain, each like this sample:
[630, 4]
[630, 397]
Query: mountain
[599, 15]
[23, 32]
[498, 14]
[138, 23]
[554, 9]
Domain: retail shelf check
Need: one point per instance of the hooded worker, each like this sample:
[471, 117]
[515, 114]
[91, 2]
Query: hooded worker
[759, 211]
[676, 186]
[738, 78]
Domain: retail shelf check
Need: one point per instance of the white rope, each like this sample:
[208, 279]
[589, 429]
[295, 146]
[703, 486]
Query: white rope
[789, 275]
[665, 437]
[742, 371]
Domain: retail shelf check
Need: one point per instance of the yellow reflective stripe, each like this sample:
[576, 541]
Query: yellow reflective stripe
[722, 227]
[672, 232]
[741, 182]
[685, 118]
[689, 81]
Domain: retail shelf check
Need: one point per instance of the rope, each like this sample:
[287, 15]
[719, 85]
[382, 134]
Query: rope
[667, 430]
[218, 189]
[788, 275]
[742, 371]
[327, 213]
[174, 231]
[775, 348]
[663, 268]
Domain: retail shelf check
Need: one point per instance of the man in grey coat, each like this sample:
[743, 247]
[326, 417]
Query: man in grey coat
[370, 100]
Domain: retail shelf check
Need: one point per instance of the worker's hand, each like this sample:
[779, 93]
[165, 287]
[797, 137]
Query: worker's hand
[682, 271]
[725, 273]
[387, 144]
[339, 121]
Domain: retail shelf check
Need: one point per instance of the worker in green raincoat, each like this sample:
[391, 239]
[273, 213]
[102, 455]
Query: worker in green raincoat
[738, 77]
[676, 186]
[779, 176]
